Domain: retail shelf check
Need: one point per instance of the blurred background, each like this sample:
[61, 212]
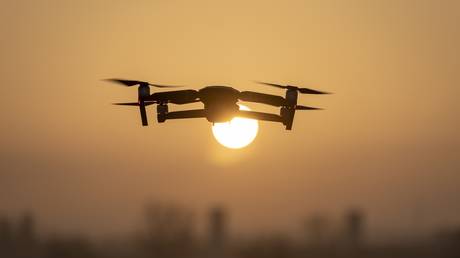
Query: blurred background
[373, 175]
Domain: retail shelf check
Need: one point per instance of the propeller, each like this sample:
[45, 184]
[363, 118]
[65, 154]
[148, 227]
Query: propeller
[252, 96]
[129, 83]
[143, 93]
[300, 107]
[290, 87]
[141, 104]
[133, 103]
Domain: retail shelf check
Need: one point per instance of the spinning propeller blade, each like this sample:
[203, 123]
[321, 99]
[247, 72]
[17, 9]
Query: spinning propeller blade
[129, 83]
[288, 87]
[126, 104]
[141, 104]
[272, 84]
[300, 107]
[132, 103]
[165, 86]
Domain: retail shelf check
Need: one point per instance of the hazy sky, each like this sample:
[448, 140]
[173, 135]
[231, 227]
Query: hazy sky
[388, 141]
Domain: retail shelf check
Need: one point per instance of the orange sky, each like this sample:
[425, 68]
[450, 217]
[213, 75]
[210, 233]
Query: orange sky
[388, 140]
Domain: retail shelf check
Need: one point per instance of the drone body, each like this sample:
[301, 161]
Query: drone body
[220, 102]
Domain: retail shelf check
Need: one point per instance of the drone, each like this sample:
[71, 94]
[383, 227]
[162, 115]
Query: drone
[220, 102]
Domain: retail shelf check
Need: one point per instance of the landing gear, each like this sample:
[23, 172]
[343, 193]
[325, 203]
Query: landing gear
[287, 114]
[143, 91]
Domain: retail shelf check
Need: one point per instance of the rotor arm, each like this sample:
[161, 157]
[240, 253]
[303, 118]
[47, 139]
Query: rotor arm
[174, 97]
[263, 98]
[259, 116]
[196, 113]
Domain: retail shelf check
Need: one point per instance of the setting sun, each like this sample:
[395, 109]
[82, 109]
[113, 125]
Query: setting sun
[237, 133]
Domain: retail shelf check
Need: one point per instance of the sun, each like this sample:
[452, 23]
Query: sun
[237, 133]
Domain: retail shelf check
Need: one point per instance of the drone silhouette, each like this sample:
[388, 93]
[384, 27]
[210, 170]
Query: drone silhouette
[220, 102]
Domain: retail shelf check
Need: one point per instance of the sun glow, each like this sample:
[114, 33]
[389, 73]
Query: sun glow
[237, 133]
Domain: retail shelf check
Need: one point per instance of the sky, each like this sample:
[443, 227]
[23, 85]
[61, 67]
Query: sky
[387, 142]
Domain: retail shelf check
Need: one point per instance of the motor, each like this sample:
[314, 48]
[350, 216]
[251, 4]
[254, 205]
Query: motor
[162, 110]
[143, 91]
